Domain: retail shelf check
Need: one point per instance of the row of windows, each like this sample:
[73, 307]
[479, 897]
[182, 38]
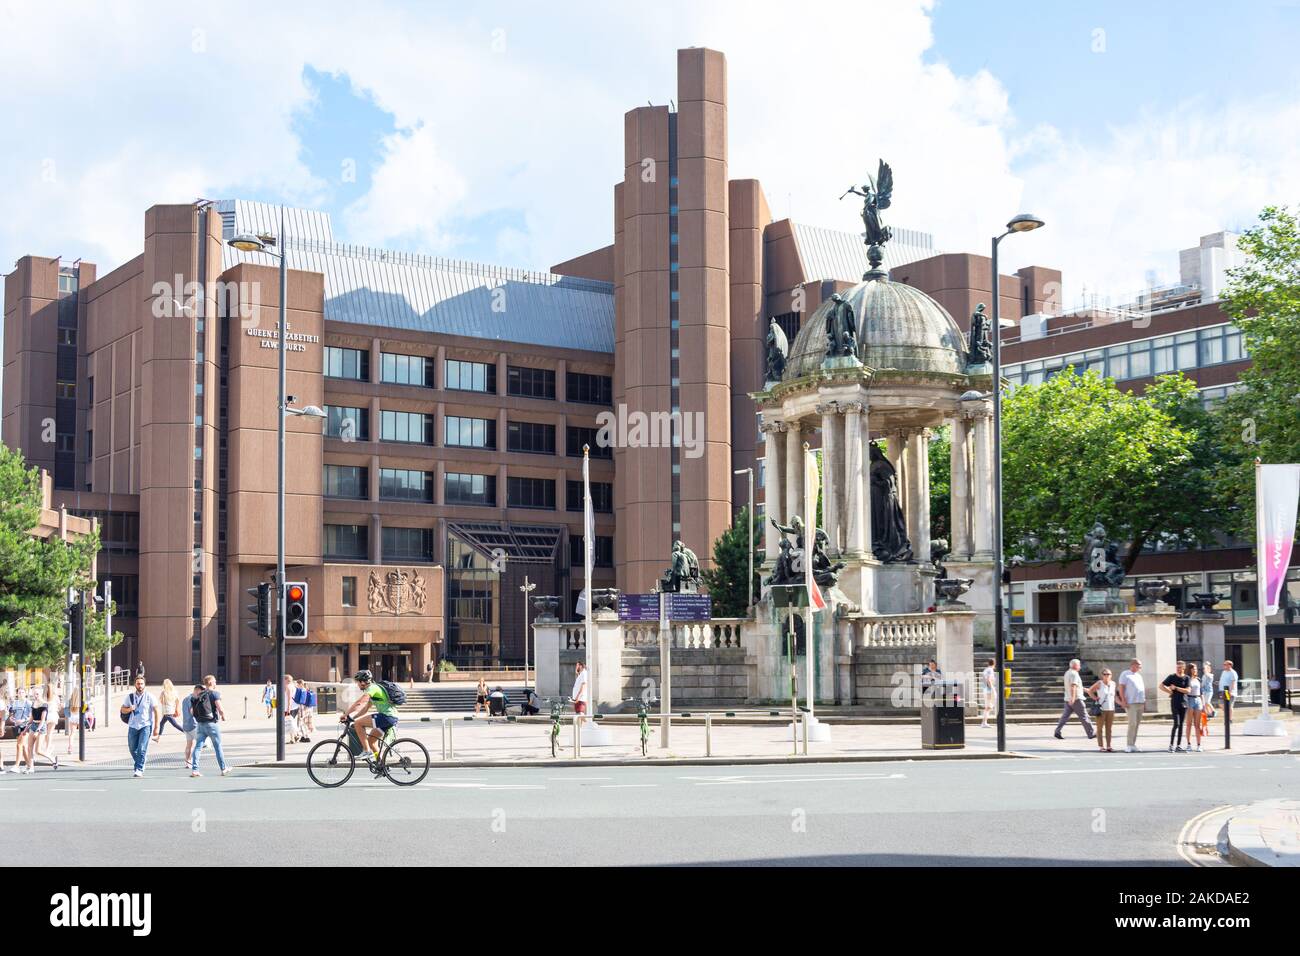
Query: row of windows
[1168, 353]
[402, 484]
[603, 558]
[458, 375]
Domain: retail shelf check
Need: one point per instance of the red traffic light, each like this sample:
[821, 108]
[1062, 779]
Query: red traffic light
[295, 593]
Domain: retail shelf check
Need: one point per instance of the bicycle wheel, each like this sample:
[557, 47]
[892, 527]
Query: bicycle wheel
[406, 762]
[330, 763]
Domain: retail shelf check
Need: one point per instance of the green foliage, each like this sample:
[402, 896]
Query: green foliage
[1077, 450]
[727, 579]
[446, 667]
[940, 487]
[1263, 419]
[35, 574]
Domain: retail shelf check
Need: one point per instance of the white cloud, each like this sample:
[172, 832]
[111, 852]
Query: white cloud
[509, 120]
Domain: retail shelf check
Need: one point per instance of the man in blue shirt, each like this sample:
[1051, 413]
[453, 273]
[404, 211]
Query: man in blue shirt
[208, 713]
[141, 710]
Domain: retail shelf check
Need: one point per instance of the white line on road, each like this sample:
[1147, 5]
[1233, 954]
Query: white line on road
[513, 786]
[1037, 773]
[77, 789]
[626, 786]
[741, 780]
[579, 779]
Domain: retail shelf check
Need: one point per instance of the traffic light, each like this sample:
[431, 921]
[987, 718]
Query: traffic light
[77, 624]
[262, 610]
[295, 604]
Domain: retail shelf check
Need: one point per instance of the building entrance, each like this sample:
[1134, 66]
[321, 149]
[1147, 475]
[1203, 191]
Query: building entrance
[387, 664]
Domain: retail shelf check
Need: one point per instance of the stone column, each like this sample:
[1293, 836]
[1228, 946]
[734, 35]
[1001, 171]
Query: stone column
[831, 479]
[981, 499]
[793, 491]
[773, 480]
[959, 485]
[918, 488]
[856, 509]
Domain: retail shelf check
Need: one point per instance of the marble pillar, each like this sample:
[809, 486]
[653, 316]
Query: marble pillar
[792, 494]
[981, 505]
[773, 483]
[831, 441]
[856, 510]
[959, 484]
[918, 523]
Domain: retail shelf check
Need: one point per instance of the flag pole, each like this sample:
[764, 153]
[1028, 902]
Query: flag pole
[588, 550]
[809, 541]
[1261, 598]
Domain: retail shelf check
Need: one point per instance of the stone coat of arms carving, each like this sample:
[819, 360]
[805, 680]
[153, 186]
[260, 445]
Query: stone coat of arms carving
[396, 592]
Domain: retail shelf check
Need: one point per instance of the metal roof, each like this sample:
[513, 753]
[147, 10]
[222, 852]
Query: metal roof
[392, 289]
[832, 254]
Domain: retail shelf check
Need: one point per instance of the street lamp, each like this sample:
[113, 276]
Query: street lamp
[274, 246]
[1021, 223]
[749, 581]
[528, 588]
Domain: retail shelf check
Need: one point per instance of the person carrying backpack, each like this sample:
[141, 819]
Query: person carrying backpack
[380, 696]
[207, 711]
[140, 712]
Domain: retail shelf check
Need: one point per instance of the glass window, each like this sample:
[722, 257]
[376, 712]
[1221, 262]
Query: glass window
[530, 493]
[576, 437]
[604, 551]
[349, 424]
[1139, 360]
[1185, 350]
[470, 376]
[530, 382]
[398, 369]
[65, 389]
[467, 489]
[349, 596]
[346, 541]
[1233, 350]
[1162, 352]
[1117, 362]
[347, 363]
[602, 496]
[589, 389]
[402, 484]
[346, 481]
[411, 427]
[536, 438]
[1212, 347]
[1096, 361]
[460, 432]
[408, 544]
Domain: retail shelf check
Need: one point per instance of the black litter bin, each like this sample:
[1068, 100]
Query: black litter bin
[327, 699]
[943, 716]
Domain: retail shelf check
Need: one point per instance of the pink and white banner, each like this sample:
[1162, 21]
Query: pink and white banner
[1277, 491]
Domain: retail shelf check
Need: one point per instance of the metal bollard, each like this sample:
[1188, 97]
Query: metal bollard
[708, 735]
[805, 735]
[451, 739]
[794, 733]
[577, 737]
[443, 722]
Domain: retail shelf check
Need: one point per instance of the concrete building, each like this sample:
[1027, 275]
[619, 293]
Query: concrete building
[459, 397]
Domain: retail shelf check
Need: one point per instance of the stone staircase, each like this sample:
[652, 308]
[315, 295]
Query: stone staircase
[447, 698]
[1036, 678]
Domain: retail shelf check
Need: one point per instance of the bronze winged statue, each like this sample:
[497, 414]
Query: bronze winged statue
[876, 194]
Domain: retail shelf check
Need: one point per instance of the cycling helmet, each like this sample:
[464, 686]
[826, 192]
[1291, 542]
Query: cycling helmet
[364, 677]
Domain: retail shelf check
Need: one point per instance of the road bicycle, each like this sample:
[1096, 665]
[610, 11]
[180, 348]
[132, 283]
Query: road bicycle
[557, 713]
[643, 717]
[403, 760]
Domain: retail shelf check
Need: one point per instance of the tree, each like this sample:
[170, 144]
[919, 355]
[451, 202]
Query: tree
[35, 574]
[727, 579]
[1077, 450]
[1263, 418]
[940, 489]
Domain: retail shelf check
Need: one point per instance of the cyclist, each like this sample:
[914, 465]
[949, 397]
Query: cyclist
[373, 696]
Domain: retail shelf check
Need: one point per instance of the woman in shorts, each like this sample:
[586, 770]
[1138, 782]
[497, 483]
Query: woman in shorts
[45, 715]
[480, 699]
[20, 712]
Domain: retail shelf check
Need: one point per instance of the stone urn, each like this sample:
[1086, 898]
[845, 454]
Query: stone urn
[950, 589]
[604, 599]
[547, 607]
[1151, 593]
[1203, 603]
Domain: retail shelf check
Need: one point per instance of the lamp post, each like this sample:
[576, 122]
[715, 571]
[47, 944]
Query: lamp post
[247, 242]
[528, 588]
[1021, 223]
[749, 545]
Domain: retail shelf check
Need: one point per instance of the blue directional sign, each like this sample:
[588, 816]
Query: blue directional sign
[638, 607]
[690, 607]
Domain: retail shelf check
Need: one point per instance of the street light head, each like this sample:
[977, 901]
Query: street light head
[247, 242]
[313, 411]
[1025, 223]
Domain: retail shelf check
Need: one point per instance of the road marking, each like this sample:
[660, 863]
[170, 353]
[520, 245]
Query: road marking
[626, 786]
[578, 779]
[750, 780]
[513, 786]
[1036, 773]
[1202, 854]
[77, 789]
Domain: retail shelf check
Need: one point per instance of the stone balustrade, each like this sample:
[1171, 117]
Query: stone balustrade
[1109, 629]
[694, 635]
[898, 630]
[1044, 634]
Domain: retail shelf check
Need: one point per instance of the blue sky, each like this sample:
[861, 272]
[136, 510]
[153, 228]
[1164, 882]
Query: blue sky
[494, 132]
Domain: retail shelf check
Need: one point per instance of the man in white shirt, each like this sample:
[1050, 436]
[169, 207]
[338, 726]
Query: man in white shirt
[1132, 696]
[1228, 680]
[141, 707]
[581, 690]
[989, 686]
[1074, 701]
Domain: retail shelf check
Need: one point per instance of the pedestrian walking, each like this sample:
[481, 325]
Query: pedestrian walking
[72, 713]
[140, 708]
[930, 676]
[1103, 692]
[188, 723]
[45, 715]
[989, 690]
[1194, 707]
[1074, 701]
[208, 714]
[1175, 685]
[1207, 696]
[268, 697]
[169, 705]
[304, 701]
[4, 720]
[20, 715]
[1132, 695]
[581, 691]
[1227, 682]
[480, 696]
[290, 710]
[428, 672]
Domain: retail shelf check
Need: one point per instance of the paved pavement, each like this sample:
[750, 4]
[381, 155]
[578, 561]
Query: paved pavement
[1062, 809]
[1266, 833]
[249, 738]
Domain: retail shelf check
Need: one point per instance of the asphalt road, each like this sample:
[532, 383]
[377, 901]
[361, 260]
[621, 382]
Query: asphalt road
[1112, 809]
